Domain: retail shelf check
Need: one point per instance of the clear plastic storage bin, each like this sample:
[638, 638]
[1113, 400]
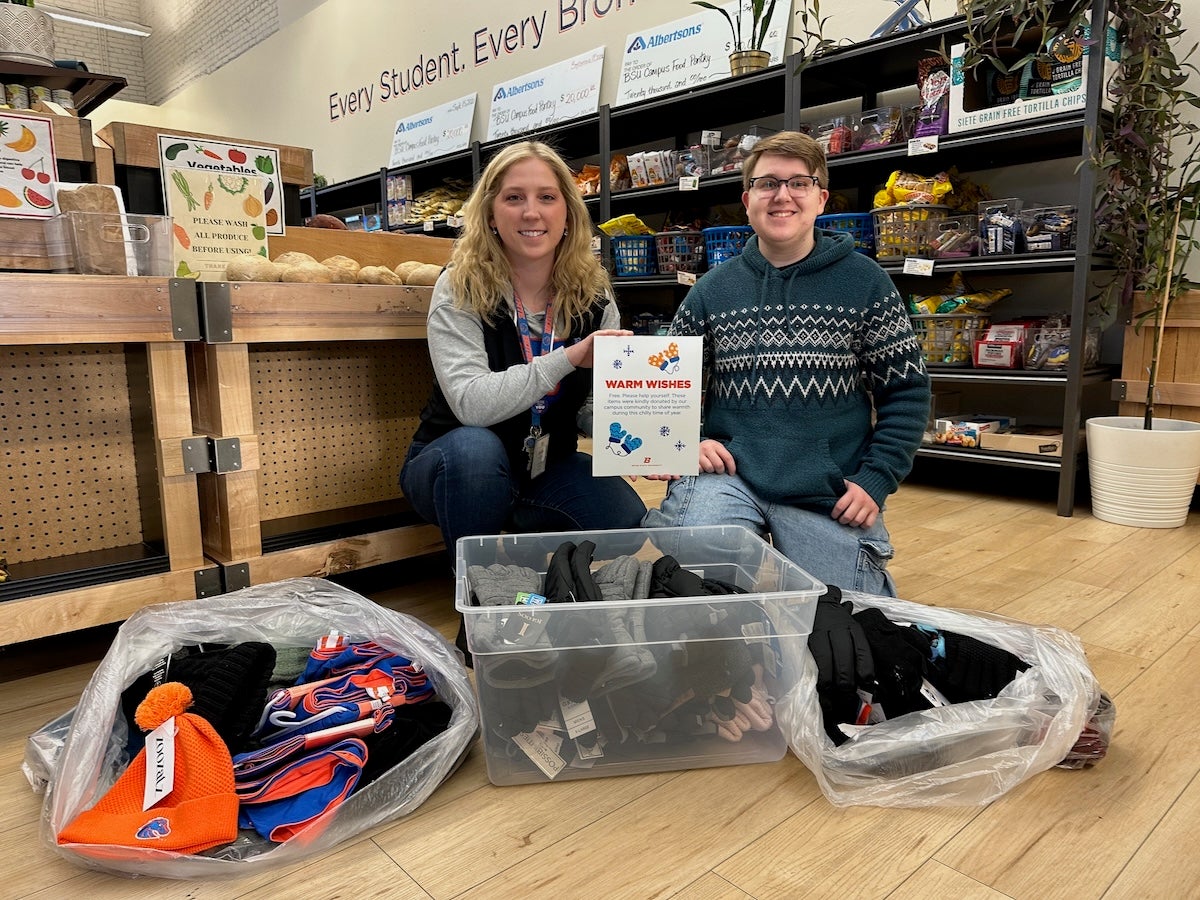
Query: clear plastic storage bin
[103, 243]
[643, 667]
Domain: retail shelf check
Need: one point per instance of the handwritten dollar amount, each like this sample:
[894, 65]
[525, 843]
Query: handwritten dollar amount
[577, 96]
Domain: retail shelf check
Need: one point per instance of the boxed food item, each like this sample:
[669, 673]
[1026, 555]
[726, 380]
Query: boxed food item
[967, 432]
[879, 128]
[1001, 231]
[1002, 346]
[692, 622]
[1049, 347]
[1028, 439]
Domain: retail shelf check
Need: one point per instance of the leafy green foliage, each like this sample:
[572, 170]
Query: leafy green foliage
[760, 22]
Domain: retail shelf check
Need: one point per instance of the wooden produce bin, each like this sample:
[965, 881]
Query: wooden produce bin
[136, 161]
[80, 157]
[1178, 387]
[318, 389]
[99, 513]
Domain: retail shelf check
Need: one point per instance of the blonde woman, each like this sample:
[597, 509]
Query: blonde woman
[511, 325]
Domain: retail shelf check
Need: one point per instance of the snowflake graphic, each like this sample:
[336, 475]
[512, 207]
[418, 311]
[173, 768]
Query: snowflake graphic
[680, 446]
[628, 351]
[665, 431]
[617, 364]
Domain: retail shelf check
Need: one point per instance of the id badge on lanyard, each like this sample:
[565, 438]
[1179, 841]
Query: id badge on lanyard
[537, 444]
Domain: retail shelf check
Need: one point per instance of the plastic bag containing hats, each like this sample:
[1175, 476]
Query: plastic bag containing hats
[96, 778]
[1049, 712]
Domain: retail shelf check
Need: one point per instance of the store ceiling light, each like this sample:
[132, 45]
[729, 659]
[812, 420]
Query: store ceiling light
[95, 21]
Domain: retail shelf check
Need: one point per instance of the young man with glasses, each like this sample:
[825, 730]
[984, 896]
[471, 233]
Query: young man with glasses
[816, 393]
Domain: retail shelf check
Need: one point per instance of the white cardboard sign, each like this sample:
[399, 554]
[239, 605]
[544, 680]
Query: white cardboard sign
[557, 93]
[433, 132]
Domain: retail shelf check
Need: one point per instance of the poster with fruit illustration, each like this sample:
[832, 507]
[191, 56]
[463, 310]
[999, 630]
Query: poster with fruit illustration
[221, 158]
[215, 217]
[27, 166]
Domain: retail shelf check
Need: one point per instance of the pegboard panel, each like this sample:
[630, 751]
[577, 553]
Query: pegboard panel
[334, 421]
[69, 482]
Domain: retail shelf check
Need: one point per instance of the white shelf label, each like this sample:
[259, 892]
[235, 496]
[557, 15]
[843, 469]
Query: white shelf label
[915, 266]
[688, 278]
[689, 182]
[922, 145]
[710, 138]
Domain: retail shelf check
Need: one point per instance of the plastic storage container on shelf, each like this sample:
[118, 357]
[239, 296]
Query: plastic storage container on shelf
[860, 226]
[679, 251]
[652, 673]
[953, 237]
[899, 229]
[102, 243]
[1049, 229]
[633, 254]
[722, 242]
[948, 339]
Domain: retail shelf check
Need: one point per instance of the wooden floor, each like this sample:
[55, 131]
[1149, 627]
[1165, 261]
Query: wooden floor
[1125, 828]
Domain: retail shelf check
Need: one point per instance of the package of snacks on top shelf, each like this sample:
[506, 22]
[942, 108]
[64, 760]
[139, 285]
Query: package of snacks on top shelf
[623, 225]
[637, 170]
[618, 173]
[657, 167]
[909, 187]
[836, 135]
[588, 180]
[933, 83]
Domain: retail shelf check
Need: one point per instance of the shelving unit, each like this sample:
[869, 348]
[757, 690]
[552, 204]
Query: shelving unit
[859, 75]
[88, 89]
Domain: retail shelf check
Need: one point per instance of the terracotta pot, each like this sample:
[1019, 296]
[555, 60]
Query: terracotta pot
[1142, 478]
[742, 62]
[26, 35]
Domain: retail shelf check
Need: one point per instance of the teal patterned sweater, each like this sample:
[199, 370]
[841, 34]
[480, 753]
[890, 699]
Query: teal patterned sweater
[796, 359]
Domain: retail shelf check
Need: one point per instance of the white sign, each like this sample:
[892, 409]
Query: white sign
[692, 51]
[434, 132]
[646, 405]
[557, 93]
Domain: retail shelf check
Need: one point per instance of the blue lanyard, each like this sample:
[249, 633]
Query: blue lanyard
[529, 350]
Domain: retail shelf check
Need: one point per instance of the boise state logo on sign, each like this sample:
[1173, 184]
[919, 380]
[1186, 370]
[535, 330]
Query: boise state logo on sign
[158, 827]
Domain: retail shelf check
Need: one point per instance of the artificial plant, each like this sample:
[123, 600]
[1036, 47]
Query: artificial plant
[760, 22]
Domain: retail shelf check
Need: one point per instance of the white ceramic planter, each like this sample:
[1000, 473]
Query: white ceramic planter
[1142, 478]
[26, 35]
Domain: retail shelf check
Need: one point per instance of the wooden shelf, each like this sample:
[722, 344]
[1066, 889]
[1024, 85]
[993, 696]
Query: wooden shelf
[88, 89]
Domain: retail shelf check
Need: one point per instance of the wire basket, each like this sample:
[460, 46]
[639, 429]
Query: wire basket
[948, 339]
[679, 251]
[633, 254]
[724, 242]
[860, 226]
[899, 229]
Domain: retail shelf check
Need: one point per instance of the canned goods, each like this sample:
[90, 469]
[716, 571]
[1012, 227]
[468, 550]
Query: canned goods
[38, 94]
[16, 96]
[65, 99]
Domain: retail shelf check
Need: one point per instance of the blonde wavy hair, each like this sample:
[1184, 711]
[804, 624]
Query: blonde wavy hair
[480, 273]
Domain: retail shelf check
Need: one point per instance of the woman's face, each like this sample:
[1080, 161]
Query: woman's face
[529, 212]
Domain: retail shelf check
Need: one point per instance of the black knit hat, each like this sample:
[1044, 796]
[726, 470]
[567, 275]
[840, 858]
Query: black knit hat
[228, 684]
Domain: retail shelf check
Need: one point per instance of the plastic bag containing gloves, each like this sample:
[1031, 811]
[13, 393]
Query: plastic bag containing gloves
[87, 768]
[966, 753]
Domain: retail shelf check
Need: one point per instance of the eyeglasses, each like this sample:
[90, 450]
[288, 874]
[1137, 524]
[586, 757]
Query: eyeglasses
[797, 185]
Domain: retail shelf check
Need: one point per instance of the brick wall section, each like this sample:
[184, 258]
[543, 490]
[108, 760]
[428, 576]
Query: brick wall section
[190, 39]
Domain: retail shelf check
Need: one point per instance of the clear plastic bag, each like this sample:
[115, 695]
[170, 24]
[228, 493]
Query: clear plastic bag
[964, 754]
[286, 613]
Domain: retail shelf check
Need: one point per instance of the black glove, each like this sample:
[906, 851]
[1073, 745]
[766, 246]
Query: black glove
[843, 657]
[901, 656]
[973, 670]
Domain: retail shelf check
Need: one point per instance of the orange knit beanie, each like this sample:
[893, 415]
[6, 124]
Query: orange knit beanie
[200, 811]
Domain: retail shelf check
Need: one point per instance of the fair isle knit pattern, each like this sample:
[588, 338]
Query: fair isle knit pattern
[796, 359]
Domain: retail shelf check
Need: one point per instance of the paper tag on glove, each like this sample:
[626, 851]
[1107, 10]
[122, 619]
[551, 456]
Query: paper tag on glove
[577, 717]
[523, 626]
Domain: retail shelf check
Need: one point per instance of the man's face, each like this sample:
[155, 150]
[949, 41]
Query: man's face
[784, 218]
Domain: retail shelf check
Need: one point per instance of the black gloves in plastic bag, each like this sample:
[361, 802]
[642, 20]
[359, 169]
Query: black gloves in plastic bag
[901, 656]
[969, 669]
[842, 653]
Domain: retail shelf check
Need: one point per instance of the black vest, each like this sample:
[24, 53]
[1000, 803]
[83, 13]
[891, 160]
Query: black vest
[503, 344]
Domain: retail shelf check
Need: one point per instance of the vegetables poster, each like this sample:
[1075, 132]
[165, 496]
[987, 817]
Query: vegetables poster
[27, 166]
[215, 217]
[220, 158]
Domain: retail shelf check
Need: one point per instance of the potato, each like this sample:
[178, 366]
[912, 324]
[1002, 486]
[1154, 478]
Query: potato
[345, 269]
[378, 275]
[425, 274]
[291, 257]
[321, 220]
[405, 269]
[308, 273]
[252, 268]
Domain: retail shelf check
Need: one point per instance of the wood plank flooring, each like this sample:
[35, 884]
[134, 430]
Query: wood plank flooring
[1123, 829]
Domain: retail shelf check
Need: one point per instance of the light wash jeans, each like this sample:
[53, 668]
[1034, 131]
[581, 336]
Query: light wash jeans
[851, 558]
[462, 482]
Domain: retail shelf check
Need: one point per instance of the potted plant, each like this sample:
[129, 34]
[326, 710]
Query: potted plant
[746, 53]
[1143, 468]
[26, 34]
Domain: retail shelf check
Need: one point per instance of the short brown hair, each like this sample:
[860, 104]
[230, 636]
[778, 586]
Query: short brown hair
[792, 144]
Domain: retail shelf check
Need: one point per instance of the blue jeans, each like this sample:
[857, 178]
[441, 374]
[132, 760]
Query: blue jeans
[851, 558]
[463, 482]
